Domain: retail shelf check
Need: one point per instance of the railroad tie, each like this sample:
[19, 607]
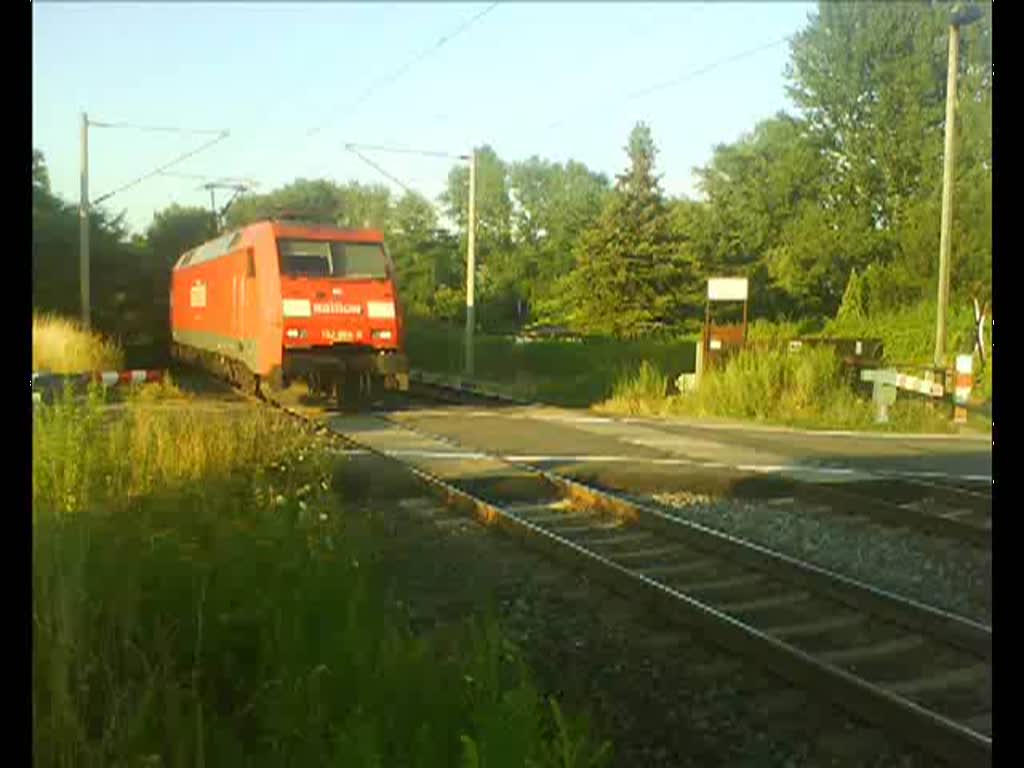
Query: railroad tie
[953, 514]
[578, 524]
[642, 553]
[532, 512]
[774, 601]
[872, 651]
[716, 585]
[676, 568]
[813, 628]
[953, 678]
[618, 539]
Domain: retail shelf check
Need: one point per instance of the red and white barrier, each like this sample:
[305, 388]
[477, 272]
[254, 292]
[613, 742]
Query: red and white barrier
[42, 380]
[110, 378]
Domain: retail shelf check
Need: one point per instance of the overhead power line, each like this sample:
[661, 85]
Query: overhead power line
[407, 151]
[181, 158]
[207, 177]
[156, 128]
[705, 69]
[366, 94]
[384, 173]
[673, 82]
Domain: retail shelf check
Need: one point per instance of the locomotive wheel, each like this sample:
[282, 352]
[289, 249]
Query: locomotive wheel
[353, 391]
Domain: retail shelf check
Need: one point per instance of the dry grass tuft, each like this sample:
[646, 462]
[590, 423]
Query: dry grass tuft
[60, 345]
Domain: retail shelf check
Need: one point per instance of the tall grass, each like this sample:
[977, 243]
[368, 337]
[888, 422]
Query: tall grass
[635, 391]
[199, 599]
[60, 345]
[810, 388]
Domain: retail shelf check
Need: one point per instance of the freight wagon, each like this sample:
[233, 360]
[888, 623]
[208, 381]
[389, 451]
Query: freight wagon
[280, 301]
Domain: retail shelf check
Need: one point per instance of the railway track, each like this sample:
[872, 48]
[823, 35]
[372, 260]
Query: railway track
[919, 672]
[958, 511]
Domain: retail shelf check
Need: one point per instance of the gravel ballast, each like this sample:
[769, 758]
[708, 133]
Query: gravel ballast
[662, 695]
[934, 570]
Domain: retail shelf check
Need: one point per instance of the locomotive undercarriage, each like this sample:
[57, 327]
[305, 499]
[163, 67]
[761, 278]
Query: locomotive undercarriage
[350, 378]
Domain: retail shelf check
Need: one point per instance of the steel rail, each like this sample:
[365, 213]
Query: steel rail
[938, 734]
[844, 500]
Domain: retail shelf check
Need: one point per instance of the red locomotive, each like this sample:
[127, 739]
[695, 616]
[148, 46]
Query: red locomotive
[279, 301]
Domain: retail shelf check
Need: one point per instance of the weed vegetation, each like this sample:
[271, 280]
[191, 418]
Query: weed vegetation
[199, 598]
[60, 345]
[810, 389]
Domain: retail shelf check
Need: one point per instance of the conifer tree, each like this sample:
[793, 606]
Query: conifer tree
[630, 279]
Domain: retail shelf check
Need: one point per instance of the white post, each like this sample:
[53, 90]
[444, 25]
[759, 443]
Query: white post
[83, 226]
[947, 195]
[471, 265]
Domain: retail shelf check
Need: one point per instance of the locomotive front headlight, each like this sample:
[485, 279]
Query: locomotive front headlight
[296, 308]
[383, 310]
[295, 333]
[382, 335]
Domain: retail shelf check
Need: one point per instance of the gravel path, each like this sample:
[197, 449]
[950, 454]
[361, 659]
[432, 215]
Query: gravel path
[932, 569]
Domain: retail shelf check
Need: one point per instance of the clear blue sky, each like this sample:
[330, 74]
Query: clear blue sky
[272, 72]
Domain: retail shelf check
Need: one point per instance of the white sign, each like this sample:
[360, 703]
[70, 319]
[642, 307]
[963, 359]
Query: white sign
[727, 289]
[197, 296]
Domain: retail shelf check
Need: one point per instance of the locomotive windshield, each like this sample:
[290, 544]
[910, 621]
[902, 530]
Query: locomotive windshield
[323, 258]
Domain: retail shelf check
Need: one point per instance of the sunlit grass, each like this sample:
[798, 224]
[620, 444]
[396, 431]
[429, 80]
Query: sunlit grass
[200, 599]
[809, 389]
[60, 345]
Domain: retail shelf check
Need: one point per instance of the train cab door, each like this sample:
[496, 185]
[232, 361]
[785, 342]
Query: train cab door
[247, 299]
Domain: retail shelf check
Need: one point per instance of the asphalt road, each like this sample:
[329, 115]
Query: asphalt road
[562, 437]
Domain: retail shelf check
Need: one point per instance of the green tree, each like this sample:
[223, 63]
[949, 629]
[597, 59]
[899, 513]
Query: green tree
[552, 204]
[755, 188]
[630, 278]
[364, 206]
[128, 286]
[318, 199]
[870, 79]
[493, 203]
[426, 256]
[176, 229]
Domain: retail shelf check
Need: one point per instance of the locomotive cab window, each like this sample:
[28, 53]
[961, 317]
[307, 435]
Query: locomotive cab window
[321, 258]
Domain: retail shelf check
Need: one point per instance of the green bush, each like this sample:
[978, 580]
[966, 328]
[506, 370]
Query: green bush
[575, 373]
[909, 333]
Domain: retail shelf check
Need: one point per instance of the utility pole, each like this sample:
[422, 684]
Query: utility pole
[471, 264]
[83, 223]
[959, 17]
[213, 206]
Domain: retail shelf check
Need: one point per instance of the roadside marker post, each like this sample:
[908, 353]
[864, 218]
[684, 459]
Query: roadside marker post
[884, 397]
[962, 390]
